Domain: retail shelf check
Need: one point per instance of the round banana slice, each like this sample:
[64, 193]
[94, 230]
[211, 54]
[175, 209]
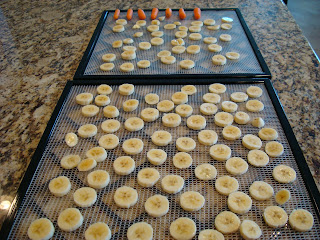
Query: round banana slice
[179, 98]
[178, 49]
[157, 34]
[134, 124]
[254, 106]
[232, 55]
[164, 53]
[284, 174]
[187, 64]
[225, 37]
[71, 139]
[193, 49]
[171, 120]
[177, 23]
[236, 166]
[209, 40]
[141, 23]
[177, 42]
[117, 44]
[110, 111]
[258, 158]
[110, 126]
[70, 219]
[223, 119]
[251, 142]
[301, 220]
[211, 98]
[261, 191]
[84, 98]
[97, 153]
[239, 202]
[87, 130]
[125, 197]
[239, 97]
[226, 185]
[197, 23]
[89, 110]
[124, 165]
[156, 41]
[149, 114]
[217, 88]
[157, 205]
[156, 156]
[183, 229]
[185, 144]
[60, 186]
[151, 98]
[169, 26]
[254, 91]
[241, 118]
[127, 67]
[104, 89]
[219, 60]
[132, 146]
[195, 29]
[138, 34]
[155, 22]
[168, 60]
[181, 34]
[191, 201]
[214, 27]
[275, 216]
[85, 197]
[257, 122]
[229, 106]
[250, 230]
[189, 89]
[144, 45]
[227, 222]
[41, 228]
[165, 106]
[130, 105]
[195, 36]
[153, 28]
[129, 48]
[121, 22]
[210, 234]
[268, 134]
[182, 160]
[161, 138]
[98, 179]
[226, 20]
[220, 152]
[118, 28]
[282, 196]
[209, 22]
[207, 137]
[184, 110]
[140, 230]
[127, 41]
[87, 164]
[126, 89]
[172, 184]
[205, 172]
[128, 55]
[214, 48]
[109, 141]
[102, 100]
[231, 133]
[147, 177]
[274, 149]
[98, 230]
[183, 28]
[136, 26]
[196, 122]
[108, 57]
[226, 26]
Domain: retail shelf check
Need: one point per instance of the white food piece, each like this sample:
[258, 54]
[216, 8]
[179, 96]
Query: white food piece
[126, 89]
[130, 105]
[70, 161]
[151, 98]
[156, 156]
[165, 106]
[185, 144]
[258, 158]
[205, 172]
[250, 230]
[192, 201]
[196, 122]
[97, 153]
[85, 197]
[104, 89]
[87, 164]
[220, 152]
[275, 216]
[41, 229]
[183, 229]
[219, 60]
[125, 197]
[108, 57]
[284, 174]
[127, 67]
[132, 146]
[241, 118]
[60, 186]
[217, 88]
[236, 166]
[71, 139]
[124, 165]
[226, 185]
[182, 160]
[254, 91]
[207, 137]
[149, 114]
[147, 177]
[258, 122]
[157, 205]
[231, 133]
[98, 230]
[301, 220]
[223, 119]
[110, 111]
[109, 141]
[110, 126]
[208, 108]
[102, 100]
[251, 142]
[227, 222]
[282, 196]
[239, 202]
[254, 106]
[84, 98]
[184, 110]
[161, 138]
[70, 219]
[229, 106]
[98, 179]
[172, 184]
[274, 149]
[89, 110]
[261, 190]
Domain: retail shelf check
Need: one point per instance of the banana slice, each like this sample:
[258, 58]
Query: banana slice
[191, 201]
[125, 197]
[172, 184]
[223, 119]
[169, 26]
[205, 172]
[156, 41]
[254, 91]
[178, 49]
[274, 149]
[157, 205]
[214, 48]
[241, 118]
[250, 230]
[219, 60]
[109, 141]
[183, 229]
[70, 161]
[301, 220]
[110, 111]
[149, 114]
[132, 146]
[179, 98]
[60, 186]
[85, 197]
[128, 55]
[107, 67]
[210, 234]
[239, 97]
[232, 55]
[207, 137]
[184, 110]
[187, 64]
[127, 41]
[217, 88]
[97, 153]
[129, 48]
[226, 20]
[153, 28]
[89, 110]
[157, 34]
[228, 106]
[104, 89]
[261, 191]
[151, 98]
[220, 152]
[144, 45]
[284, 174]
[282, 196]
[155, 22]
[197, 23]
[168, 60]
[185, 144]
[196, 122]
[124, 165]
[98, 179]
[239, 202]
[140, 230]
[147, 177]
[225, 38]
[177, 23]
[121, 22]
[211, 98]
[226, 26]
[156, 156]
[236, 166]
[98, 231]
[87, 164]
[226, 185]
[84, 98]
[41, 228]
[165, 106]
[70, 219]
[227, 222]
[231, 133]
[181, 34]
[189, 89]
[182, 160]
[251, 142]
[208, 108]
[275, 216]
[126, 89]
[71, 139]
[254, 106]
[161, 138]
[117, 44]
[195, 29]
[102, 100]
[164, 53]
[108, 57]
[143, 64]
[127, 67]
[258, 122]
[138, 34]
[268, 134]
[177, 42]
[136, 26]
[118, 28]
[209, 40]
[130, 105]
[171, 120]
[214, 27]
[141, 23]
[110, 126]
[193, 49]
[258, 158]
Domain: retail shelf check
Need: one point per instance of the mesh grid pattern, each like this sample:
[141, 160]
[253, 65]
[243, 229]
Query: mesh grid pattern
[38, 201]
[248, 62]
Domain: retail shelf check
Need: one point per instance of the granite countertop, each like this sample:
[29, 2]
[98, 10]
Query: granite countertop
[42, 43]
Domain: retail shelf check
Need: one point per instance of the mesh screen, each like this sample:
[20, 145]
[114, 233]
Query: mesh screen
[39, 202]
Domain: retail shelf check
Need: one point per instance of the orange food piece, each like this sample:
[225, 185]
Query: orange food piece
[116, 14]
[182, 14]
[197, 13]
[154, 13]
[168, 12]
[141, 14]
[129, 14]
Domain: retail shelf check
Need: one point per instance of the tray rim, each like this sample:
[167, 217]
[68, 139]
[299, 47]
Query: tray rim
[307, 177]
[79, 75]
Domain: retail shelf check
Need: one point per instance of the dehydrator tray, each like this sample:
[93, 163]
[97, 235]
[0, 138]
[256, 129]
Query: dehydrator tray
[250, 64]
[34, 200]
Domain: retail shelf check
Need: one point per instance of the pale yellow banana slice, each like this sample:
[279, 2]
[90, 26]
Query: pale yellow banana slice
[226, 20]
[261, 191]
[102, 100]
[196, 122]
[89, 110]
[140, 230]
[141, 23]
[129, 48]
[132, 146]
[231, 133]
[124, 165]
[168, 60]
[41, 228]
[249, 230]
[157, 205]
[70, 161]
[172, 184]
[165, 105]
[117, 44]
[226, 26]
[85, 197]
[232, 55]
[144, 45]
[209, 40]
[254, 91]
[84, 98]
[184, 110]
[187, 64]
[128, 55]
[257, 122]
[214, 27]
[189, 89]
[209, 22]
[181, 34]
[195, 29]
[217, 88]
[108, 57]
[282, 196]
[177, 23]
[121, 22]
[98, 230]
[118, 28]
[185, 144]
[284, 174]
[104, 89]
[130, 105]
[177, 42]
[239, 97]
[223, 119]
[109, 141]
[149, 114]
[127, 41]
[127, 67]
[183, 229]
[254, 106]
[136, 26]
[60, 186]
[239, 202]
[219, 60]
[274, 149]
[251, 142]
[171, 120]
[214, 48]
[220, 152]
[226, 185]
[164, 53]
[169, 26]
[208, 108]
[182, 160]
[156, 41]
[225, 37]
[125, 197]
[268, 134]
[241, 118]
[107, 67]
[151, 98]
[126, 89]
[161, 138]
[147, 177]
[71, 139]
[210, 234]
[229, 106]
[197, 23]
[157, 34]
[179, 98]
[155, 22]
[110, 126]
[178, 49]
[275, 216]
[207, 137]
[258, 158]
[183, 28]
[191, 201]
[211, 98]
[236, 166]
[227, 222]
[138, 34]
[205, 172]
[97, 153]
[70, 219]
[193, 49]
[153, 28]
[87, 164]
[301, 220]
[156, 156]
[98, 179]
[162, 18]
[143, 64]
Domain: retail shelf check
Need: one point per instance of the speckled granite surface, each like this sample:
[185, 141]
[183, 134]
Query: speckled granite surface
[42, 43]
